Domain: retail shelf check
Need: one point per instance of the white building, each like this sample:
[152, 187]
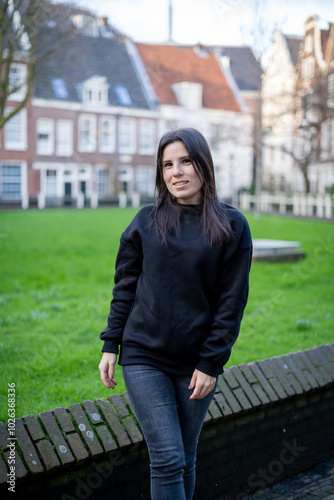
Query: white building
[193, 90]
[278, 102]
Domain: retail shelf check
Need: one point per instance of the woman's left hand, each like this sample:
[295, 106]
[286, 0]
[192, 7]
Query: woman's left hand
[202, 384]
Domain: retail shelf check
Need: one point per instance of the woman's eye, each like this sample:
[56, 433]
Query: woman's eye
[186, 160]
[167, 165]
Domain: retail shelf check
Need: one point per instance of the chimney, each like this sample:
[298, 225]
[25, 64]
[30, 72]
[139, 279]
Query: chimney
[102, 21]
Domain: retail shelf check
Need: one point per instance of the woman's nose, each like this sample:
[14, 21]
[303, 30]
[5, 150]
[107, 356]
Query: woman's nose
[177, 169]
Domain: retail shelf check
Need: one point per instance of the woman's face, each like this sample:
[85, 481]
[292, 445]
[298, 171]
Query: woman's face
[180, 176]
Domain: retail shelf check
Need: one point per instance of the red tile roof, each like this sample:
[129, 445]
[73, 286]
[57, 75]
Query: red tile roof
[168, 64]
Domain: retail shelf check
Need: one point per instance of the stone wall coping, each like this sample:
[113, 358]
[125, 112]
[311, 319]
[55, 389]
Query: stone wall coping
[53, 440]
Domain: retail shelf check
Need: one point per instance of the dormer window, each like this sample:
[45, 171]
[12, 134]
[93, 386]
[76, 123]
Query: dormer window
[86, 25]
[95, 91]
[188, 94]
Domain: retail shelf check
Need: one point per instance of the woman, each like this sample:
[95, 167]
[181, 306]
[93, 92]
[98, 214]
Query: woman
[181, 286]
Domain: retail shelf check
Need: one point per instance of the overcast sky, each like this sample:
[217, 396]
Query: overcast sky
[223, 22]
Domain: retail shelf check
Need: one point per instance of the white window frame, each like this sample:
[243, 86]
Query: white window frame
[23, 184]
[103, 182]
[12, 180]
[326, 138]
[146, 137]
[64, 138]
[107, 135]
[308, 67]
[127, 135]
[330, 90]
[308, 46]
[95, 91]
[145, 180]
[88, 144]
[45, 126]
[216, 136]
[189, 94]
[51, 183]
[18, 81]
[18, 120]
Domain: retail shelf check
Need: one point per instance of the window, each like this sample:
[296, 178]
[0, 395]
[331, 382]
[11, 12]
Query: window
[188, 94]
[326, 175]
[330, 89]
[64, 138]
[16, 131]
[123, 95]
[87, 133]
[308, 67]
[216, 136]
[45, 136]
[85, 25]
[59, 88]
[95, 91]
[146, 137]
[103, 183]
[326, 138]
[107, 135]
[145, 179]
[171, 125]
[308, 44]
[17, 81]
[11, 182]
[51, 183]
[127, 135]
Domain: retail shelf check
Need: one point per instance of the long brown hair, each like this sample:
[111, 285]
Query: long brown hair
[214, 220]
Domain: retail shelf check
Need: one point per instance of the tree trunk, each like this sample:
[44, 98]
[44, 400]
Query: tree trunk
[306, 178]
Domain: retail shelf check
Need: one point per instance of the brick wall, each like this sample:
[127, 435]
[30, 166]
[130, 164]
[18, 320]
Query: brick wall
[268, 420]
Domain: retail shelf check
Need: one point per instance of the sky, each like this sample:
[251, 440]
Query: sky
[221, 22]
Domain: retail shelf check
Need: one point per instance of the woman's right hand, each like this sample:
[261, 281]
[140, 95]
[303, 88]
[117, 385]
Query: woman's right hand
[107, 369]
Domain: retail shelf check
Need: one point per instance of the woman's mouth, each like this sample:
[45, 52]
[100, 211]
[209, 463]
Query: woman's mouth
[180, 184]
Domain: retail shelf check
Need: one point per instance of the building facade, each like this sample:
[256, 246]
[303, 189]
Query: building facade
[89, 132]
[193, 91]
[298, 112]
[278, 116]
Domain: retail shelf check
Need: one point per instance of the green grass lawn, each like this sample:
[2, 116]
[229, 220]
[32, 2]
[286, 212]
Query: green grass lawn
[56, 283]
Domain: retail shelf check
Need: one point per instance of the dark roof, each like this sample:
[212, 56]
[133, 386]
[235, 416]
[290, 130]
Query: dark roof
[245, 68]
[83, 57]
[293, 43]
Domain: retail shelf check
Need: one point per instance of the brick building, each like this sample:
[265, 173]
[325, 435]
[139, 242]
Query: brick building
[88, 133]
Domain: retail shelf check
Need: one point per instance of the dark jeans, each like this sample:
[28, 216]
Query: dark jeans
[171, 424]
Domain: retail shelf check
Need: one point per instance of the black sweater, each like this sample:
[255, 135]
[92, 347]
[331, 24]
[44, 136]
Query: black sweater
[178, 306]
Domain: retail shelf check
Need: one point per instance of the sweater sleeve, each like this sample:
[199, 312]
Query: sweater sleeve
[128, 269]
[233, 286]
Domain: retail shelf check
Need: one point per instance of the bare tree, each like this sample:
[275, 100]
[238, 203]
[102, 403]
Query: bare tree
[311, 111]
[261, 34]
[30, 32]
[307, 108]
